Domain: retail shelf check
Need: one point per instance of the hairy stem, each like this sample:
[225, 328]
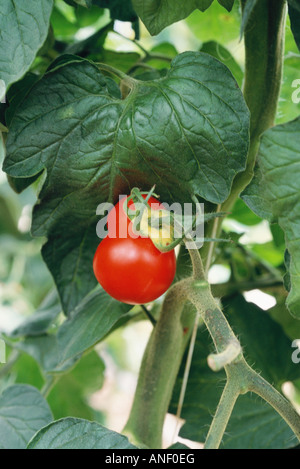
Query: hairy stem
[158, 372]
[264, 47]
[226, 405]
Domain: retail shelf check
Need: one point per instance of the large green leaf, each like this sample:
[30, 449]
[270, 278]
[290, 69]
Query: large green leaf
[119, 9]
[295, 4]
[95, 146]
[45, 351]
[24, 28]
[216, 25]
[158, 14]
[77, 434]
[89, 323]
[274, 194]
[254, 424]
[228, 4]
[281, 314]
[294, 13]
[221, 53]
[259, 334]
[39, 322]
[86, 378]
[289, 102]
[23, 411]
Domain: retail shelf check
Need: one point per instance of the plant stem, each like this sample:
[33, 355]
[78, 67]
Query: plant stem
[230, 288]
[264, 47]
[149, 315]
[211, 244]
[226, 405]
[158, 372]
[125, 79]
[48, 386]
[14, 356]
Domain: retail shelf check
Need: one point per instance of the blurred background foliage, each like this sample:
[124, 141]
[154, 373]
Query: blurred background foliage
[104, 378]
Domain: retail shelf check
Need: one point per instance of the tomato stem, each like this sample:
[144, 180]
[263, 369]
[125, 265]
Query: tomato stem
[264, 47]
[158, 372]
[149, 315]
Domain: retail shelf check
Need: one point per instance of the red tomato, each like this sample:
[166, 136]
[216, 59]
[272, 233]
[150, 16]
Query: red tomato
[133, 271]
[118, 222]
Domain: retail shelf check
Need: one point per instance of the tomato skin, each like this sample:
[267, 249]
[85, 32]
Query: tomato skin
[133, 271]
[118, 222]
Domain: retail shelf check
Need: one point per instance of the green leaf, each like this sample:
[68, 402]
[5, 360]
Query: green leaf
[215, 25]
[73, 433]
[228, 4]
[295, 4]
[123, 61]
[248, 10]
[86, 378]
[158, 14]
[221, 53]
[270, 253]
[289, 103]
[41, 320]
[26, 370]
[178, 446]
[274, 194]
[84, 3]
[96, 146]
[23, 411]
[244, 215]
[119, 9]
[24, 28]
[64, 28]
[69, 255]
[89, 323]
[254, 424]
[281, 314]
[45, 351]
[17, 94]
[250, 323]
[294, 14]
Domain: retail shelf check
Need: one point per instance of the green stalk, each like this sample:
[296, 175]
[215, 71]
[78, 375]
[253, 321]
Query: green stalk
[264, 48]
[264, 40]
[158, 371]
[226, 405]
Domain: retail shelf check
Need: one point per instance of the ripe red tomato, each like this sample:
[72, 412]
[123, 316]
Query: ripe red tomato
[133, 271]
[129, 267]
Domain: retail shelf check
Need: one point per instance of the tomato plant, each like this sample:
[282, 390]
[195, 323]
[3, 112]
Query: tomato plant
[101, 99]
